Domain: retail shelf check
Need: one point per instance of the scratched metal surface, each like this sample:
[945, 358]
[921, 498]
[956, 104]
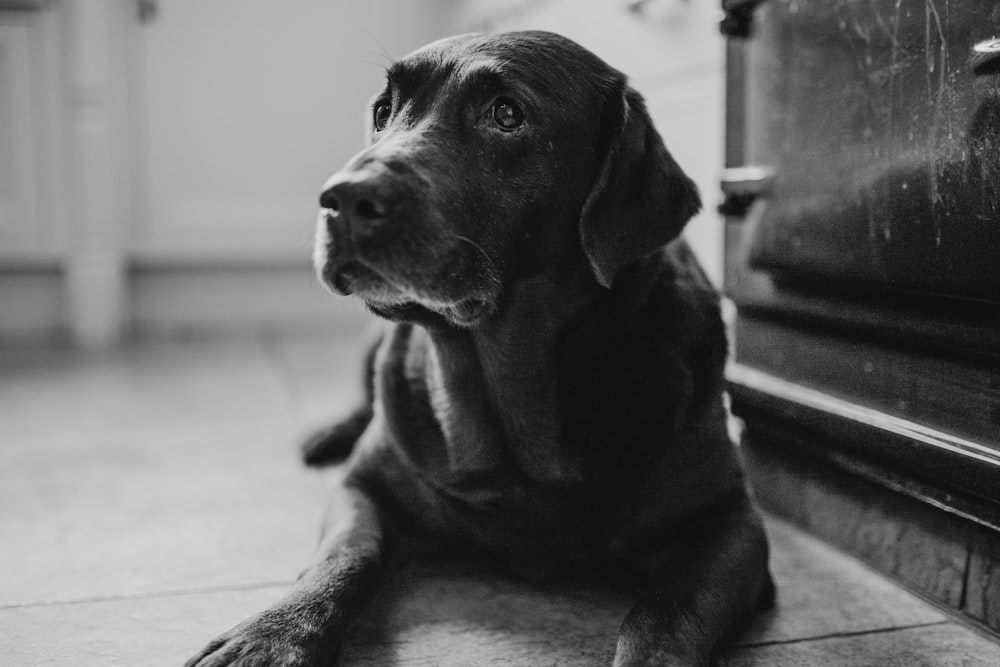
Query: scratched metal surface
[885, 144]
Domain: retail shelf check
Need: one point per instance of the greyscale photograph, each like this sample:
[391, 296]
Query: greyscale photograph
[488, 333]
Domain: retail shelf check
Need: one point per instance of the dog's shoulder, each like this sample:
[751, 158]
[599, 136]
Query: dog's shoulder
[648, 363]
[669, 297]
[685, 310]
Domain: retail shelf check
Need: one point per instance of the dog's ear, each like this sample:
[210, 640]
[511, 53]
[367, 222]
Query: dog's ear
[641, 199]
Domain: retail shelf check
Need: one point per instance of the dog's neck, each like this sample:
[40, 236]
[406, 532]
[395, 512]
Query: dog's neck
[512, 382]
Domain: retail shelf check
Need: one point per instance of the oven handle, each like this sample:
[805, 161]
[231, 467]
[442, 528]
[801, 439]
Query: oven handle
[742, 186]
[986, 57]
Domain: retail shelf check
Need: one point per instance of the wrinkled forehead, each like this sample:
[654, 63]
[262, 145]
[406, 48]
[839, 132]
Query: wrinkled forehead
[538, 66]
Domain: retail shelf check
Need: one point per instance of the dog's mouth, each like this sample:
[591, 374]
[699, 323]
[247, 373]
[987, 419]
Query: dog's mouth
[407, 278]
[468, 312]
[387, 299]
[354, 277]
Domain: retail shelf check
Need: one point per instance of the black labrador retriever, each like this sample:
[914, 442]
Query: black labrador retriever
[549, 393]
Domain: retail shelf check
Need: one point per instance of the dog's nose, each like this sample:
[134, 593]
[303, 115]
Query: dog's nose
[357, 200]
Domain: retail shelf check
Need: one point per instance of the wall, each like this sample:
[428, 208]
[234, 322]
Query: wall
[244, 109]
[32, 295]
[159, 173]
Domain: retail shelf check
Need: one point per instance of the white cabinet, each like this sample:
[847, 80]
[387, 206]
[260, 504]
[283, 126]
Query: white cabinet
[242, 109]
[27, 230]
[159, 170]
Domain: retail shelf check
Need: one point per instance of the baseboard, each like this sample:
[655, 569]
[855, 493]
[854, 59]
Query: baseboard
[33, 306]
[941, 547]
[181, 300]
[198, 299]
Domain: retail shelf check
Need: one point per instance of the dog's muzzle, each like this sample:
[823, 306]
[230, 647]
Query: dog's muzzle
[381, 238]
[355, 207]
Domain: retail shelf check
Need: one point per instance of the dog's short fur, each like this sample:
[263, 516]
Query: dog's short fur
[549, 393]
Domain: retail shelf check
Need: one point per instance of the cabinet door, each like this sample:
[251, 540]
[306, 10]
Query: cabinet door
[21, 233]
[242, 109]
[866, 277]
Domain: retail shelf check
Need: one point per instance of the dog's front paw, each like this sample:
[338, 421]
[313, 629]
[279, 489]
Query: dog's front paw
[654, 650]
[662, 659]
[273, 638]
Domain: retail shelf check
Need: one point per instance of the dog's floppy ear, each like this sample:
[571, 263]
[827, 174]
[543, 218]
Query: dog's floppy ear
[641, 199]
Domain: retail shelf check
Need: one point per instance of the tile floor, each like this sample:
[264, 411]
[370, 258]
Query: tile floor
[150, 498]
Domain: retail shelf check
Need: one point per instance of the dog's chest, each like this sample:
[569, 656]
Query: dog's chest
[522, 383]
[492, 395]
[518, 355]
[496, 403]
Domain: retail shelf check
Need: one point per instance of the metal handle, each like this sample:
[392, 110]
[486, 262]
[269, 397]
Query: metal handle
[738, 21]
[986, 57]
[742, 186]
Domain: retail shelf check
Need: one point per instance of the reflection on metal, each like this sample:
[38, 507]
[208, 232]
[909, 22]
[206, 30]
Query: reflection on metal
[820, 402]
[986, 57]
[751, 179]
[885, 144]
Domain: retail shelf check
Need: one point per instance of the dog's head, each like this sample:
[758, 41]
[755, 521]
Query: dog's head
[493, 158]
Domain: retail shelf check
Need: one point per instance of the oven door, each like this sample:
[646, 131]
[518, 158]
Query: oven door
[863, 229]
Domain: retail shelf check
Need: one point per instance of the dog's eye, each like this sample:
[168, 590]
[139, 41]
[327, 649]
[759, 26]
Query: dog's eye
[382, 113]
[506, 114]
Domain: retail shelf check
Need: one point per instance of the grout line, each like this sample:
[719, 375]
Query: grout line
[967, 574]
[838, 635]
[148, 596]
[952, 614]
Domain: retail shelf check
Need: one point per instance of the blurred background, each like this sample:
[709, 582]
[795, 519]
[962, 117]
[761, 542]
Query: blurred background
[160, 160]
[163, 343]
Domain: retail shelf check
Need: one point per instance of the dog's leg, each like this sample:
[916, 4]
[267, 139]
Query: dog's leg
[335, 443]
[306, 626]
[702, 594]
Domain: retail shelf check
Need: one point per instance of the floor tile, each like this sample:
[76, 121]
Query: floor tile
[139, 632]
[112, 559]
[150, 498]
[136, 403]
[476, 617]
[324, 374]
[823, 592]
[941, 645]
[146, 491]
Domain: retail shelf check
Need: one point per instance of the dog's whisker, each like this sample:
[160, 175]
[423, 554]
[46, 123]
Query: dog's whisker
[382, 50]
[472, 243]
[371, 62]
[494, 274]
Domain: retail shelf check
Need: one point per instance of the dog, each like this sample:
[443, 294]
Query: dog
[548, 392]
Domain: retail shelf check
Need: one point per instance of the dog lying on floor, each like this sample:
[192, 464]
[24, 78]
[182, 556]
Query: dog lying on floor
[548, 394]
